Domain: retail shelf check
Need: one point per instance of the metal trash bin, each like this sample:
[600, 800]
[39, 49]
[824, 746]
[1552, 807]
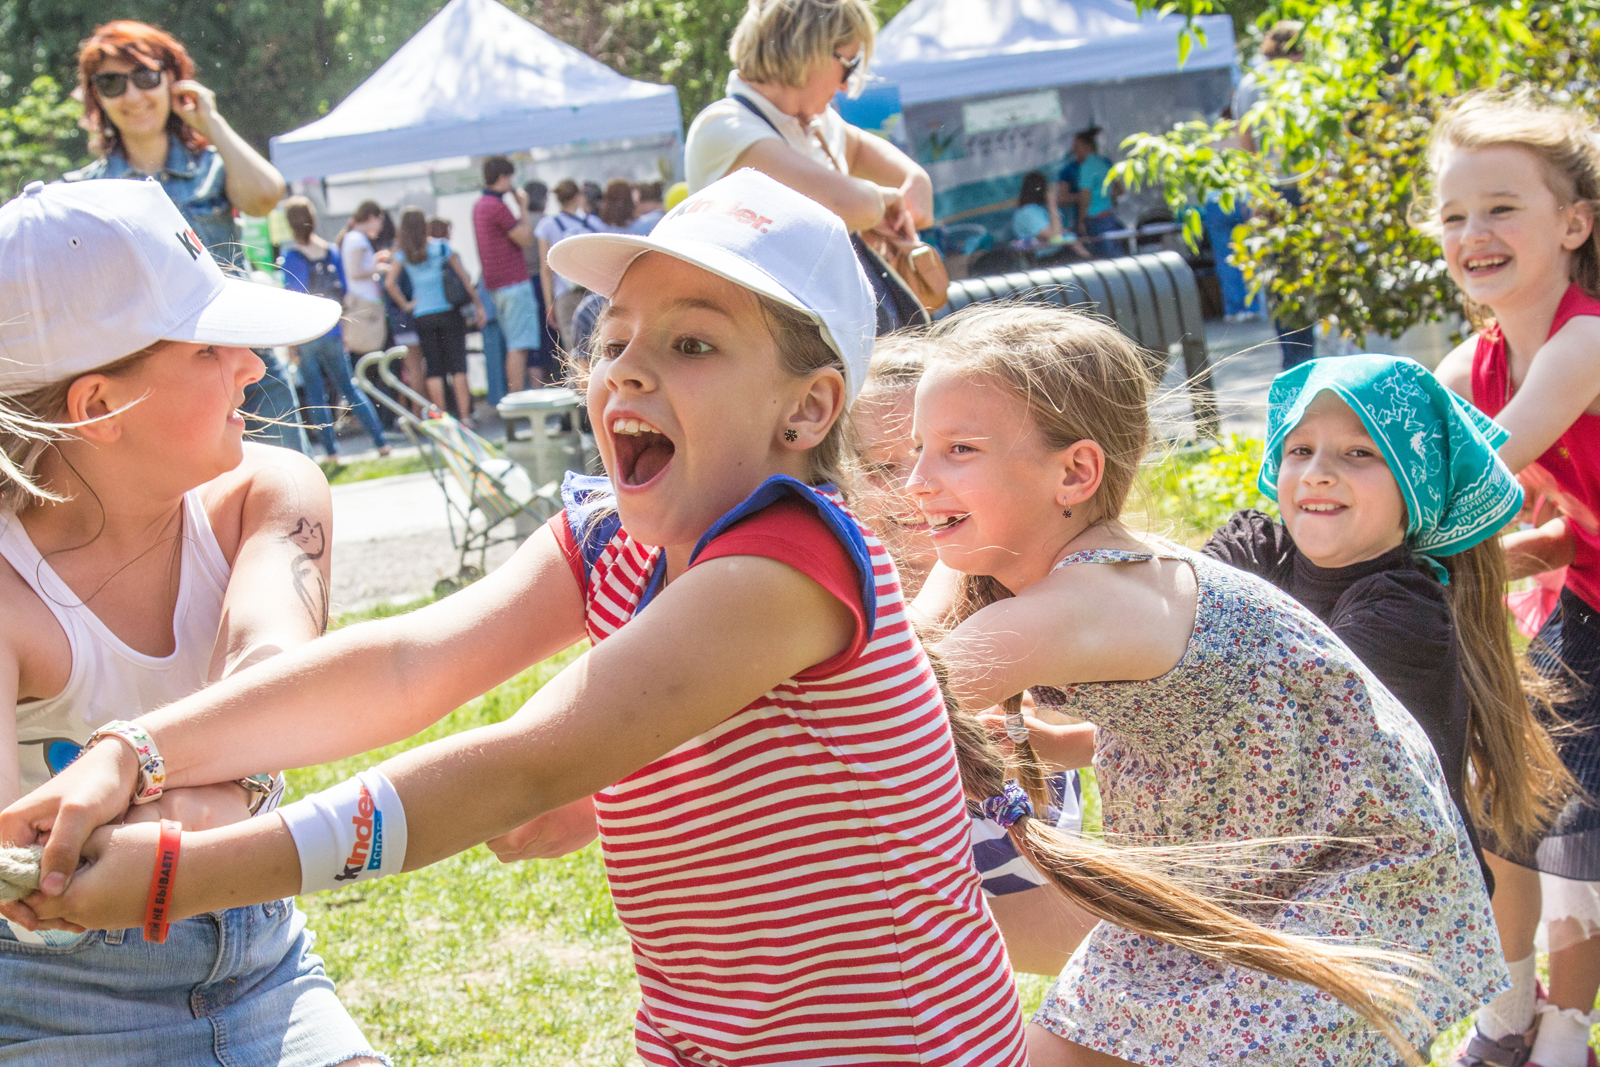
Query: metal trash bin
[544, 434]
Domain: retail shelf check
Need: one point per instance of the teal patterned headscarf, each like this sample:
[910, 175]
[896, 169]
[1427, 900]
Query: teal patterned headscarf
[1441, 450]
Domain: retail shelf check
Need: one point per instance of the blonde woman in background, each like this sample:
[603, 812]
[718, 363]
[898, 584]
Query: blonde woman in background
[792, 56]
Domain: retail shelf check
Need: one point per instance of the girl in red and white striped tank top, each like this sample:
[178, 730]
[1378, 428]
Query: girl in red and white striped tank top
[756, 732]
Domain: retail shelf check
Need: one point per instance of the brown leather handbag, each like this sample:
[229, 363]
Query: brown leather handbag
[918, 264]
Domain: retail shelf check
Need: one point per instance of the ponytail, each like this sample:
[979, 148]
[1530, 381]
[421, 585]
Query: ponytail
[1127, 888]
[1518, 782]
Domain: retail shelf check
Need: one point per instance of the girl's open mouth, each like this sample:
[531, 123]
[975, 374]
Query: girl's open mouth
[946, 523]
[643, 451]
[911, 521]
[1321, 508]
[1484, 264]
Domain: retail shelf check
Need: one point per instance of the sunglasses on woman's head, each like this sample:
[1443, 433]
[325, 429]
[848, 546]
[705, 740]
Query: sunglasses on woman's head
[116, 83]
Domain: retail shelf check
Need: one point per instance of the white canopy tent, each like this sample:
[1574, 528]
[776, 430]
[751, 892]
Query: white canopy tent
[477, 79]
[944, 49]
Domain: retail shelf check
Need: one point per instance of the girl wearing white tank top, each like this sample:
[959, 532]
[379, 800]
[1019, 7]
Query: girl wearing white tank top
[146, 551]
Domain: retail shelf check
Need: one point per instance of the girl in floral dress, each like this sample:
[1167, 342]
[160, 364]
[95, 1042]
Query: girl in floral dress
[1231, 722]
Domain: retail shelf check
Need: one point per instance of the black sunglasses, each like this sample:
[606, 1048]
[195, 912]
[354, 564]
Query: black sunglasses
[850, 65]
[115, 84]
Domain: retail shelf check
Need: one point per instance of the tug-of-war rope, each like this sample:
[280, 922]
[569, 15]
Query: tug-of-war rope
[19, 872]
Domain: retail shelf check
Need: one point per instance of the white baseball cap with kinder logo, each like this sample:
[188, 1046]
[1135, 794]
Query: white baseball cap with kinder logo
[758, 233]
[94, 271]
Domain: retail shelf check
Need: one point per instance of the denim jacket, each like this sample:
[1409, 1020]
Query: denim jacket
[196, 183]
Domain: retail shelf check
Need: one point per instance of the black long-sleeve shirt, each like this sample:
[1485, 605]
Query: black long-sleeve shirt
[1391, 612]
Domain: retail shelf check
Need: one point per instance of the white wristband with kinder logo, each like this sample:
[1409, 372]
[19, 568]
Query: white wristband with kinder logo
[354, 832]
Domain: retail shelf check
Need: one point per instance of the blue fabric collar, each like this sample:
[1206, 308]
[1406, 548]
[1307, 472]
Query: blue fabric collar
[843, 526]
[587, 499]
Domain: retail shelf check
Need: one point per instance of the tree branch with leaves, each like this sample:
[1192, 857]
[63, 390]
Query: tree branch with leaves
[1345, 132]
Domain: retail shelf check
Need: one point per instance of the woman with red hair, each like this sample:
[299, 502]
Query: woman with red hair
[148, 117]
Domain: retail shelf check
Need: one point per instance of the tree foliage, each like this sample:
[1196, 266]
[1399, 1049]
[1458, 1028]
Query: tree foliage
[1349, 127]
[39, 136]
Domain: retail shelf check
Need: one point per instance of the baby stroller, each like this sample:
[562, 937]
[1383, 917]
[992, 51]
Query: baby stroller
[483, 489]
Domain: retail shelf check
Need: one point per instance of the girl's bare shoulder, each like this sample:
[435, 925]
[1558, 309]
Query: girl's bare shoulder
[1123, 618]
[31, 638]
[1455, 370]
[1574, 349]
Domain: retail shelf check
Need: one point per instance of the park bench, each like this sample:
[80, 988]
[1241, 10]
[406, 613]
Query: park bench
[1151, 297]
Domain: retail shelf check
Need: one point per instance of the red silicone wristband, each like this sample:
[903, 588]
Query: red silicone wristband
[161, 879]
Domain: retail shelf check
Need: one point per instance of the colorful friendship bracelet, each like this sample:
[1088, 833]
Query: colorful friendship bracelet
[161, 879]
[152, 768]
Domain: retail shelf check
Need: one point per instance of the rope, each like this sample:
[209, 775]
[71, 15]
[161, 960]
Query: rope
[19, 871]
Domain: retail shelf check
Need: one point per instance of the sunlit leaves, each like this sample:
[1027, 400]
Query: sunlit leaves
[39, 137]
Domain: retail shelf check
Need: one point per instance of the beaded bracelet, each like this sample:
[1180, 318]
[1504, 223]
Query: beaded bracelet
[152, 768]
[159, 903]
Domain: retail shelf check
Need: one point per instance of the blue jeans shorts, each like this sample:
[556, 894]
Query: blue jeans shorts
[236, 988]
[518, 313]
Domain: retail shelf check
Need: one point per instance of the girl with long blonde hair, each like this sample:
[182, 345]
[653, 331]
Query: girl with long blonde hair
[1227, 718]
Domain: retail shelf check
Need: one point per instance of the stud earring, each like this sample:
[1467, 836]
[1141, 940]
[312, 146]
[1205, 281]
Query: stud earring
[791, 436]
[1066, 513]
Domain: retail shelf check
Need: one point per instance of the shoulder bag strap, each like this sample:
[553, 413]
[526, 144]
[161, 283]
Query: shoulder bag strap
[757, 112]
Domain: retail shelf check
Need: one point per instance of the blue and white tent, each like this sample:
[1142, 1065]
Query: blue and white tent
[477, 79]
[990, 89]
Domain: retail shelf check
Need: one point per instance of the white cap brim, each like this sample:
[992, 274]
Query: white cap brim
[252, 315]
[597, 261]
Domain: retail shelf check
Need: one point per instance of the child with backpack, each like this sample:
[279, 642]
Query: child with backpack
[1516, 182]
[312, 265]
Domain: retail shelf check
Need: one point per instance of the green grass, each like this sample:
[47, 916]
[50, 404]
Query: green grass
[1188, 494]
[474, 962]
[363, 470]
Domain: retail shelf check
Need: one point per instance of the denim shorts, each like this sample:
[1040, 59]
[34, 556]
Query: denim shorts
[518, 312]
[237, 988]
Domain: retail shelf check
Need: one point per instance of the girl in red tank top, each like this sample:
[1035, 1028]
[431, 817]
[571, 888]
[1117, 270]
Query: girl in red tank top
[1516, 185]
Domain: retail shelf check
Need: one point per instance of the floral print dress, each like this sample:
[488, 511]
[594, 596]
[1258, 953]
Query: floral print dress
[1269, 727]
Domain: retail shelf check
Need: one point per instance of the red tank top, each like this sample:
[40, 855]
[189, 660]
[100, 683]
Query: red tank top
[1569, 472]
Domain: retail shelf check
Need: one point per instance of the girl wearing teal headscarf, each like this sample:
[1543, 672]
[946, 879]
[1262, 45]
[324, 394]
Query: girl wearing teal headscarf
[1392, 493]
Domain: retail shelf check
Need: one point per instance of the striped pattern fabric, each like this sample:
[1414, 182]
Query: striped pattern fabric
[797, 882]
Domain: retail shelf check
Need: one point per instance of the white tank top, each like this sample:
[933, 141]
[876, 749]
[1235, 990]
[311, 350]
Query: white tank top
[109, 680]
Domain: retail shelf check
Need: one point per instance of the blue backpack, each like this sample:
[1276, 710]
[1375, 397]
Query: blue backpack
[322, 275]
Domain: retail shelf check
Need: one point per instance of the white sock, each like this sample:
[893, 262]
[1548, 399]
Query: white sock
[1563, 1039]
[1512, 1011]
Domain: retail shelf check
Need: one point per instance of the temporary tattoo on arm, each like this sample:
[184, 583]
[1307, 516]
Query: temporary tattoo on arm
[312, 541]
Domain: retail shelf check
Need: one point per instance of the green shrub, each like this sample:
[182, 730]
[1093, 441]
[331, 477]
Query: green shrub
[1186, 495]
